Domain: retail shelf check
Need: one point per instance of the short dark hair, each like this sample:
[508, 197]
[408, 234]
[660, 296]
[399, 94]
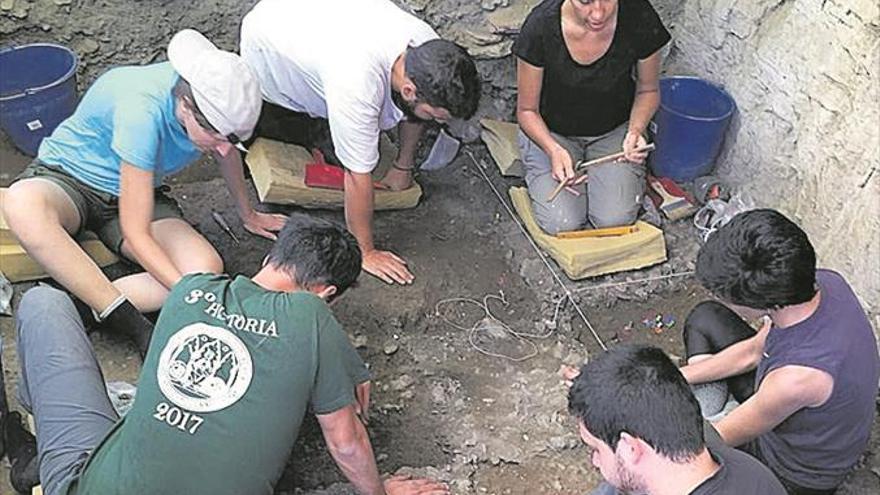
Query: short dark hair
[316, 251]
[183, 90]
[445, 76]
[761, 260]
[637, 389]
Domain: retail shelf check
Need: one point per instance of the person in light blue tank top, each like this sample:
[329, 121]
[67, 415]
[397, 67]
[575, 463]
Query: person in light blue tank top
[807, 380]
[100, 170]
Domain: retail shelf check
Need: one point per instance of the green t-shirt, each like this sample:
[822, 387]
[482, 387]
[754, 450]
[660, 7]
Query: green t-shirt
[231, 369]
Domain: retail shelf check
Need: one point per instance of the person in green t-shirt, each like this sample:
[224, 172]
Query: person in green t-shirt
[233, 365]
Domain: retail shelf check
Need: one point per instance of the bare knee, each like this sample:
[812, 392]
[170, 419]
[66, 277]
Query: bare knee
[27, 206]
[23, 205]
[206, 262]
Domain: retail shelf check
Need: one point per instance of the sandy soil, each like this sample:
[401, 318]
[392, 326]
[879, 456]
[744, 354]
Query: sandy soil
[484, 424]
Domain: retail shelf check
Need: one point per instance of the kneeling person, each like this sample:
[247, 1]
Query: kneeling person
[233, 366]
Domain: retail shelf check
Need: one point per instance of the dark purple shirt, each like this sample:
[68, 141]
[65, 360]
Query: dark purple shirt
[816, 447]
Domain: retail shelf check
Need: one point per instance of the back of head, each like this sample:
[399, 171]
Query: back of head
[316, 251]
[638, 390]
[445, 76]
[760, 259]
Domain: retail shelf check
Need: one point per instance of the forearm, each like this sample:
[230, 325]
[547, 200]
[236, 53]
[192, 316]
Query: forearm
[410, 134]
[357, 462]
[150, 255]
[644, 106]
[359, 208]
[734, 433]
[233, 174]
[533, 125]
[737, 359]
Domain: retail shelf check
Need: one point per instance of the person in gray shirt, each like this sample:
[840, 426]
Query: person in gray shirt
[642, 424]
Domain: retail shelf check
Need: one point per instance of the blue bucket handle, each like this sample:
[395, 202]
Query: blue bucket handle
[30, 91]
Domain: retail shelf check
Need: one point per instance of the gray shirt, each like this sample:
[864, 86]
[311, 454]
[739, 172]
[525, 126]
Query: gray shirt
[739, 474]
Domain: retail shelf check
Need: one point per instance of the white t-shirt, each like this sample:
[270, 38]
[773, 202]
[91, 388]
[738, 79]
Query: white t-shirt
[332, 59]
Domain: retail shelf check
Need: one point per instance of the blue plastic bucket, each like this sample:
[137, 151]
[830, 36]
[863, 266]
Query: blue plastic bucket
[37, 92]
[689, 127]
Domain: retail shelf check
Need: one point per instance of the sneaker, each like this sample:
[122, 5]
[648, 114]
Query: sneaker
[24, 473]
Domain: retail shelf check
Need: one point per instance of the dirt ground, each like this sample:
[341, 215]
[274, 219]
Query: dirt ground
[486, 425]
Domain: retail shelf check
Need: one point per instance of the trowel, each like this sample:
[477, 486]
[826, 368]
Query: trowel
[442, 153]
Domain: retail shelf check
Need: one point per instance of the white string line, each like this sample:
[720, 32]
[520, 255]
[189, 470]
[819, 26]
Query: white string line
[636, 281]
[480, 325]
[543, 258]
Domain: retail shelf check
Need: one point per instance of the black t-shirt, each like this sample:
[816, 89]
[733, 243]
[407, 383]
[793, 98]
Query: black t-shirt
[588, 100]
[739, 474]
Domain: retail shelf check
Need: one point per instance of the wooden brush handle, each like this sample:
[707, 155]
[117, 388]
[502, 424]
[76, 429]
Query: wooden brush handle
[598, 161]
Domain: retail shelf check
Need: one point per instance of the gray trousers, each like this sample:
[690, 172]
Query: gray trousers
[611, 197]
[61, 386]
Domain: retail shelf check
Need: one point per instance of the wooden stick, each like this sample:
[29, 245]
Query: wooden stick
[598, 161]
[603, 232]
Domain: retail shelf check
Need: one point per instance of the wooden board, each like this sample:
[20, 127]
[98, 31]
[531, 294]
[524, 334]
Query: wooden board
[593, 256]
[278, 170]
[18, 266]
[501, 139]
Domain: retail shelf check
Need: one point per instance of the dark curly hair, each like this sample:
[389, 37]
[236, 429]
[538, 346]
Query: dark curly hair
[445, 76]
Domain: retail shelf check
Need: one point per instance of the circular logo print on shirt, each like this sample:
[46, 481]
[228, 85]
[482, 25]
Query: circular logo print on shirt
[204, 368]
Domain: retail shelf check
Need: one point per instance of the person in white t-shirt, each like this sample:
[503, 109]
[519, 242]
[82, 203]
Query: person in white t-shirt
[365, 66]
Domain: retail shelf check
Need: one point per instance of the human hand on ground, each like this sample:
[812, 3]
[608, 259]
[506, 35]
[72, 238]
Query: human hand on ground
[387, 266]
[398, 180]
[263, 224]
[568, 374]
[561, 165]
[362, 404]
[631, 142]
[405, 485]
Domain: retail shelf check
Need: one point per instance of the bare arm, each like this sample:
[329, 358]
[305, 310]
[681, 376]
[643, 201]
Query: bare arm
[400, 177]
[647, 99]
[135, 218]
[261, 224]
[359, 208]
[350, 447]
[528, 100]
[359, 217]
[410, 134]
[734, 360]
[782, 392]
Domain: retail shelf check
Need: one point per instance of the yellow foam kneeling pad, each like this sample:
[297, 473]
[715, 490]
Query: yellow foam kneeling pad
[18, 266]
[593, 256]
[500, 138]
[278, 170]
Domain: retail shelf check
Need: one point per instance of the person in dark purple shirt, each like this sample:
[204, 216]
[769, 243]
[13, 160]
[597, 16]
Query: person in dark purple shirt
[807, 379]
[639, 418]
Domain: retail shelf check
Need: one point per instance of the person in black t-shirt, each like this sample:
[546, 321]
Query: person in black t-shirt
[643, 425]
[578, 100]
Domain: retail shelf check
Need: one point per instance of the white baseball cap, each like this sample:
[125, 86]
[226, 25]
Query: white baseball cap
[225, 88]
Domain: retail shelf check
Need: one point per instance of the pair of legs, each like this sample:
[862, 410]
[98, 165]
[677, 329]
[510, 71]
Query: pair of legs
[710, 328]
[61, 385]
[46, 208]
[611, 197]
